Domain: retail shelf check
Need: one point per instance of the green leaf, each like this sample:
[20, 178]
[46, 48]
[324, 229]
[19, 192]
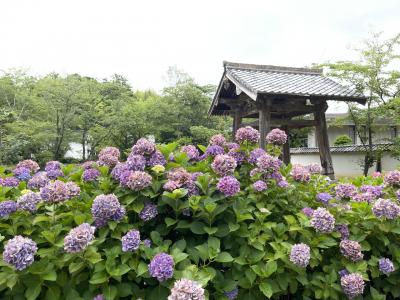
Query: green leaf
[170, 221]
[33, 290]
[98, 278]
[142, 268]
[120, 270]
[210, 230]
[197, 228]
[224, 257]
[266, 289]
[270, 268]
[110, 292]
[51, 276]
[76, 266]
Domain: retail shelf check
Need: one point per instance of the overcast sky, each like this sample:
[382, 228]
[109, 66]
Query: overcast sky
[141, 39]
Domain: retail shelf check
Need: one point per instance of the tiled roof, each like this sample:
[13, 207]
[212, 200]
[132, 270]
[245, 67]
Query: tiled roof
[263, 79]
[342, 149]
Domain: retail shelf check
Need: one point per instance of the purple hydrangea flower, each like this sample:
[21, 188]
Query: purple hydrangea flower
[191, 151]
[322, 220]
[352, 285]
[386, 265]
[57, 191]
[7, 207]
[30, 164]
[171, 185]
[300, 173]
[393, 178]
[343, 272]
[118, 170]
[162, 267]
[277, 137]
[300, 255]
[398, 195]
[136, 180]
[345, 190]
[52, 165]
[144, 147]
[255, 154]
[147, 243]
[99, 297]
[232, 146]
[28, 201]
[283, 184]
[239, 156]
[386, 209]
[180, 176]
[136, 162]
[148, 212]
[228, 185]
[157, 158]
[22, 173]
[247, 134]
[131, 241]
[109, 156]
[268, 164]
[260, 185]
[105, 208]
[185, 289]
[351, 250]
[223, 165]
[79, 238]
[314, 168]
[9, 182]
[90, 164]
[90, 175]
[376, 191]
[218, 140]
[308, 211]
[214, 150]
[324, 198]
[195, 175]
[20, 252]
[232, 295]
[38, 181]
[363, 197]
[73, 189]
[55, 173]
[343, 229]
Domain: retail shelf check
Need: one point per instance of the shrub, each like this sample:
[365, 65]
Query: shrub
[253, 232]
[342, 140]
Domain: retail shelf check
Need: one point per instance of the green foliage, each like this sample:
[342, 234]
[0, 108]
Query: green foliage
[242, 241]
[342, 140]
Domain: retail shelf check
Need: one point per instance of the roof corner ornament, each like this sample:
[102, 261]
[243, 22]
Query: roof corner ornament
[238, 91]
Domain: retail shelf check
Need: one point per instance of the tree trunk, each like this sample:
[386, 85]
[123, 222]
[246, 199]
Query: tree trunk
[84, 144]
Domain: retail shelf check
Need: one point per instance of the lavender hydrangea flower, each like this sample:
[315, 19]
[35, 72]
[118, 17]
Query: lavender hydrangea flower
[238, 156]
[30, 164]
[136, 162]
[352, 285]
[27, 202]
[99, 297]
[9, 182]
[247, 134]
[314, 168]
[147, 243]
[308, 211]
[218, 140]
[223, 165]
[343, 229]
[106, 208]
[268, 164]
[109, 156]
[300, 255]
[73, 189]
[191, 151]
[7, 207]
[386, 266]
[351, 250]
[137, 180]
[131, 241]
[232, 295]
[232, 146]
[393, 178]
[260, 185]
[228, 185]
[376, 191]
[55, 173]
[55, 192]
[324, 198]
[180, 176]
[118, 170]
[157, 158]
[90, 164]
[185, 289]
[90, 175]
[363, 197]
[345, 191]
[144, 147]
[386, 209]
[277, 137]
[343, 272]
[148, 212]
[300, 173]
[162, 267]
[79, 238]
[214, 150]
[22, 173]
[322, 220]
[38, 181]
[283, 184]
[19, 252]
[52, 165]
[255, 154]
[171, 185]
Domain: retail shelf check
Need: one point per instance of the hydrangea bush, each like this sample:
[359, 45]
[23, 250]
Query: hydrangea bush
[226, 221]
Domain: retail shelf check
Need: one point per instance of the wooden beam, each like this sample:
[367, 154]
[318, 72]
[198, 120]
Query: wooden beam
[264, 121]
[286, 147]
[237, 119]
[285, 122]
[323, 142]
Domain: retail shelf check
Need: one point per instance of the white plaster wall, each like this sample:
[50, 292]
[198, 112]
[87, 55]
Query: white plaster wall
[346, 164]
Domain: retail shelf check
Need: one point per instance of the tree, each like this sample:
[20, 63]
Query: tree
[373, 74]
[342, 140]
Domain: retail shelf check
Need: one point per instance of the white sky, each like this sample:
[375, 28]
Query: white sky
[141, 39]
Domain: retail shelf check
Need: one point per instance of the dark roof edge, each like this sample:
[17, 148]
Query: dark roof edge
[309, 71]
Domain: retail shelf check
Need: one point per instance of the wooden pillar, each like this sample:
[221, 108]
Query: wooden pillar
[264, 119]
[237, 120]
[286, 147]
[323, 142]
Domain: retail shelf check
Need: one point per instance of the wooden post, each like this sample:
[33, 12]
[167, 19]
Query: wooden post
[286, 147]
[237, 120]
[323, 142]
[264, 119]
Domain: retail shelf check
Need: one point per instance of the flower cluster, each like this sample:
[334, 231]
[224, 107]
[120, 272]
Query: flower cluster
[185, 289]
[89, 164]
[260, 185]
[385, 265]
[314, 168]
[19, 252]
[351, 250]
[53, 169]
[213, 150]
[384, 208]
[148, 212]
[268, 164]
[136, 162]
[135, 180]
[255, 154]
[343, 229]
[247, 134]
[38, 181]
[223, 165]
[191, 151]
[352, 285]
[143, 147]
[376, 191]
[79, 238]
[300, 173]
[29, 164]
[393, 178]
[59, 191]
[218, 140]
[228, 185]
[322, 220]
[156, 159]
[7, 207]
[276, 137]
[131, 241]
[232, 294]
[118, 170]
[308, 211]
[239, 156]
[90, 174]
[324, 198]
[106, 208]
[162, 266]
[345, 191]
[22, 173]
[109, 156]
[300, 255]
[28, 201]
[9, 182]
